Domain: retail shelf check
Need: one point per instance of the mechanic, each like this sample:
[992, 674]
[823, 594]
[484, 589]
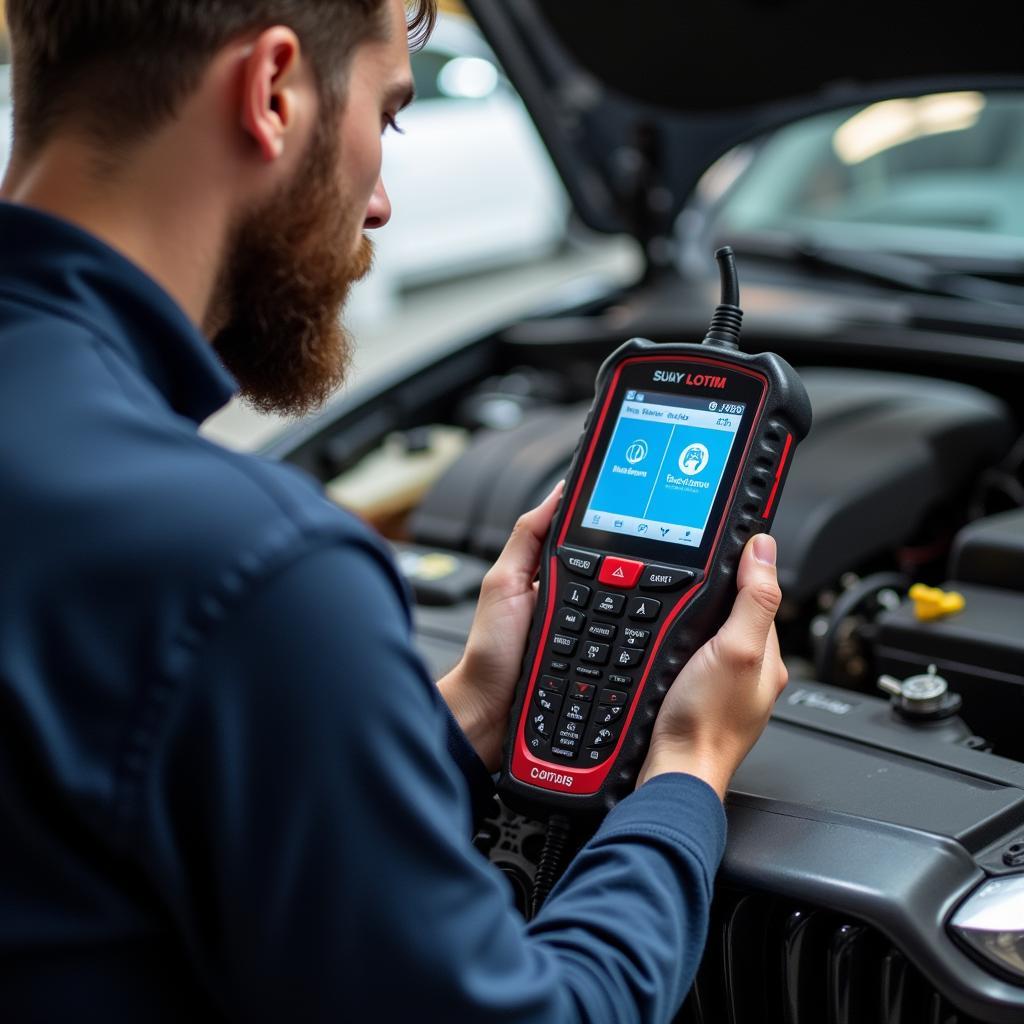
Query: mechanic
[228, 787]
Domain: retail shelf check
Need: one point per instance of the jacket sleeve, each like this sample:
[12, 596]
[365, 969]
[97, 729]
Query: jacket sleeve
[479, 784]
[306, 828]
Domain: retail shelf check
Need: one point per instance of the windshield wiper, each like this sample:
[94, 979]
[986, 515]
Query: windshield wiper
[908, 272]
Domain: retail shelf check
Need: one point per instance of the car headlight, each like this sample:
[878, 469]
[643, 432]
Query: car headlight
[992, 922]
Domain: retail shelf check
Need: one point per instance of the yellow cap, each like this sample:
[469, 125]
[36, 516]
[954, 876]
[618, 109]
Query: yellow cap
[933, 603]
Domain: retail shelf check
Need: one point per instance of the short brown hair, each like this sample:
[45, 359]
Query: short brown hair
[121, 67]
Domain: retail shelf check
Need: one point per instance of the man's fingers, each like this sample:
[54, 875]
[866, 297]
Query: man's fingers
[522, 552]
[746, 632]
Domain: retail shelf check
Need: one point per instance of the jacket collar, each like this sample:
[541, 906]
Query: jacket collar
[58, 266]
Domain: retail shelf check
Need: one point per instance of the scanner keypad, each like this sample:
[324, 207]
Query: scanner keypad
[598, 645]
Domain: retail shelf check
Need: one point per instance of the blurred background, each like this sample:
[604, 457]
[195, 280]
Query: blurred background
[481, 229]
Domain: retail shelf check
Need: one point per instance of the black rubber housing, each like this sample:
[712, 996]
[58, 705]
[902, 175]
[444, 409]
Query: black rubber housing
[786, 410]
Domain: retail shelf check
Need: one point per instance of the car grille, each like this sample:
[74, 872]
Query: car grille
[771, 961]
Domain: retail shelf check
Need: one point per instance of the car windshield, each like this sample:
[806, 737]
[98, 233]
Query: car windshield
[939, 175]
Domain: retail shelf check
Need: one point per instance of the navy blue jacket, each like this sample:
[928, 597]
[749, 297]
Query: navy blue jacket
[228, 787]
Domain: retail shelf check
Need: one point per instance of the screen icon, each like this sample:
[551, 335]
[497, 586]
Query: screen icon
[642, 528]
[712, 406]
[637, 452]
[618, 524]
[640, 396]
[595, 520]
[693, 459]
[630, 395]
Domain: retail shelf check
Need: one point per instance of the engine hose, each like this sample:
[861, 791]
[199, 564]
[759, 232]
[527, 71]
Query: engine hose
[551, 862]
[845, 605]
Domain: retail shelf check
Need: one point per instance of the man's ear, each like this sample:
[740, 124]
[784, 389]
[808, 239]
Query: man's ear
[270, 79]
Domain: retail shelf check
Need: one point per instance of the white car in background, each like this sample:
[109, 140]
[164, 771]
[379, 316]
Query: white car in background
[470, 182]
[6, 119]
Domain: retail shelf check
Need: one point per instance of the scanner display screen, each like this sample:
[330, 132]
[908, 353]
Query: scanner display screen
[663, 467]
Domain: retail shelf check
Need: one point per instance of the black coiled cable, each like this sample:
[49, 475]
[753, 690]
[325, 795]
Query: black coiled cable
[551, 862]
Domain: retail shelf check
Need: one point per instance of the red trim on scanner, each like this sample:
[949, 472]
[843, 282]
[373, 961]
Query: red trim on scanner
[551, 775]
[778, 477]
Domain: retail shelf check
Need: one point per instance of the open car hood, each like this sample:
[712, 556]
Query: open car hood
[636, 101]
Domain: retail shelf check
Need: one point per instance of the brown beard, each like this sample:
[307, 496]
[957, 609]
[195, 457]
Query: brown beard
[276, 313]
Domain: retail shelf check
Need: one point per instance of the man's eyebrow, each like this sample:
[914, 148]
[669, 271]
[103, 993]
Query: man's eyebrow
[401, 94]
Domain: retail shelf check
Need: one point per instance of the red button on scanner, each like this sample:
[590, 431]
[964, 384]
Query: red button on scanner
[620, 572]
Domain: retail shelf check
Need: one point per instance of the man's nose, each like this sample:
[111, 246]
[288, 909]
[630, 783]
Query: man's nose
[378, 213]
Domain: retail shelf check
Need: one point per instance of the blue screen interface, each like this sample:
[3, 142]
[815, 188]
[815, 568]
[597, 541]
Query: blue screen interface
[663, 467]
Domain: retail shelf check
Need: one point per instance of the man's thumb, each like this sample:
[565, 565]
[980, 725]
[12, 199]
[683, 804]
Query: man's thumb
[759, 595]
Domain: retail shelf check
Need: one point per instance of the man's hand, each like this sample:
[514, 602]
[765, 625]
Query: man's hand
[719, 704]
[479, 689]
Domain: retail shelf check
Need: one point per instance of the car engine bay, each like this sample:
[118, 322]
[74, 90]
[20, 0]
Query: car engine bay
[863, 818]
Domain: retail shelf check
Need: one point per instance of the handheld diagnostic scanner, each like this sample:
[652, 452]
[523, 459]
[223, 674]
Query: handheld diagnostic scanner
[683, 457]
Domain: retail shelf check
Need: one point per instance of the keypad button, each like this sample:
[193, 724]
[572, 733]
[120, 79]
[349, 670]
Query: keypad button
[602, 630]
[609, 604]
[576, 594]
[569, 735]
[606, 715]
[564, 753]
[542, 723]
[588, 672]
[620, 572]
[547, 701]
[665, 577]
[595, 755]
[633, 637]
[557, 665]
[617, 680]
[534, 743]
[569, 729]
[583, 563]
[625, 657]
[563, 644]
[570, 619]
[575, 710]
[616, 698]
[643, 609]
[582, 691]
[552, 683]
[602, 736]
[597, 653]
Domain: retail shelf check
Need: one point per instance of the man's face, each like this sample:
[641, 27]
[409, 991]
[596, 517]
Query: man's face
[290, 264]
